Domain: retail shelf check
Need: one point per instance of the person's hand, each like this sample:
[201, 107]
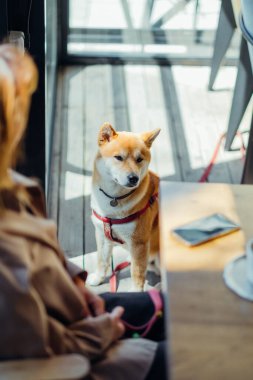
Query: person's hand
[95, 302]
[119, 328]
[94, 305]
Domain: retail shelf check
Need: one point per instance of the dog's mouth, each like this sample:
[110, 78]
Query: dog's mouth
[131, 184]
[128, 184]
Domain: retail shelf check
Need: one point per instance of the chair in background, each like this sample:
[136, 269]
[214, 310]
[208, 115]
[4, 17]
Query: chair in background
[242, 93]
[226, 27]
[246, 25]
[228, 20]
[177, 7]
[229, 16]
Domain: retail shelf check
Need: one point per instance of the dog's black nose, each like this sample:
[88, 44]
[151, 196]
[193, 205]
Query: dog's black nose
[133, 179]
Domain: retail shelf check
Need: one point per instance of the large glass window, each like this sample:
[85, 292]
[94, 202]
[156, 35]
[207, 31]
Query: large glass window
[166, 29]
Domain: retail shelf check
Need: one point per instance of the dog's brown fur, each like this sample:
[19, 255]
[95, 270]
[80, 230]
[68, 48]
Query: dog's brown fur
[141, 236]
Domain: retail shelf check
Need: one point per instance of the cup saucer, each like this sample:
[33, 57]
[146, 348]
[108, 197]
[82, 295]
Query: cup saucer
[235, 277]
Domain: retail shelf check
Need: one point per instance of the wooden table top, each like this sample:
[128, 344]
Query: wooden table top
[210, 328]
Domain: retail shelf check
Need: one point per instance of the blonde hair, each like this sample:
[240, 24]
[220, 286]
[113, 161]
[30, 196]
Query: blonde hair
[18, 80]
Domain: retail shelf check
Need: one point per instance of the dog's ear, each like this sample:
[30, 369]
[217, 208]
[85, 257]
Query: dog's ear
[106, 134]
[149, 137]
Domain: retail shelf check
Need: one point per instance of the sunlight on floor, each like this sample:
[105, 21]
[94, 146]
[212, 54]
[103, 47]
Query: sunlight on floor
[204, 116]
[147, 111]
[205, 113]
[76, 185]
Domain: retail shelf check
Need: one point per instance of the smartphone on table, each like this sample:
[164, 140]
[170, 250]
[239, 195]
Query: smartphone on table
[204, 229]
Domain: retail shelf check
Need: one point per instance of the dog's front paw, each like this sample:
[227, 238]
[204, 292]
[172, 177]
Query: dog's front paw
[94, 279]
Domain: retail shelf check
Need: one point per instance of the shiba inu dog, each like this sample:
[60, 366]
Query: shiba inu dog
[124, 201]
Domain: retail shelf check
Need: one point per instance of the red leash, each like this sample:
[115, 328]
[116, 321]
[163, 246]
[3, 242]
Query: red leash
[113, 278]
[208, 169]
[158, 306]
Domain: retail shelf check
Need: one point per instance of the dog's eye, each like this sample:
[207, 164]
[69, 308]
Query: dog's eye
[119, 158]
[139, 159]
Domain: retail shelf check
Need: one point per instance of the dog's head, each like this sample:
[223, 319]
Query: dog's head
[125, 156]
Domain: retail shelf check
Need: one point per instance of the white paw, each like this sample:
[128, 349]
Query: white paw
[94, 279]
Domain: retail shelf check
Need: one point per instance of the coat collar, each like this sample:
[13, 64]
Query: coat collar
[18, 222]
[34, 190]
[32, 227]
[22, 180]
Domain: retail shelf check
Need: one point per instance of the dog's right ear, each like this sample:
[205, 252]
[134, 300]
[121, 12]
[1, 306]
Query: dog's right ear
[106, 134]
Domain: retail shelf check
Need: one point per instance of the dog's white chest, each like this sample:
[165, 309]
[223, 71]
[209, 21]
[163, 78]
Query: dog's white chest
[123, 231]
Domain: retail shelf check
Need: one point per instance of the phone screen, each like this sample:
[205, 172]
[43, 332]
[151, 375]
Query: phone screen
[205, 229]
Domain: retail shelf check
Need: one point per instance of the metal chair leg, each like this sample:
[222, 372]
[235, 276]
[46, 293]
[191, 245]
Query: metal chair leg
[247, 177]
[242, 94]
[225, 31]
[170, 13]
[148, 9]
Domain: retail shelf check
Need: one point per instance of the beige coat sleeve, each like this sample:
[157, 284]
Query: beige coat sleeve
[40, 308]
[74, 270]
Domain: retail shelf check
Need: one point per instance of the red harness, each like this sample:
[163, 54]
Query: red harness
[108, 222]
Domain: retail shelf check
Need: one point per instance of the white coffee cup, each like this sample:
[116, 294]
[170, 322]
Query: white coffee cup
[249, 262]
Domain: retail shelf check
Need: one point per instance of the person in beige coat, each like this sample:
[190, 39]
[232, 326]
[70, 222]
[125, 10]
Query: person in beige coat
[45, 308]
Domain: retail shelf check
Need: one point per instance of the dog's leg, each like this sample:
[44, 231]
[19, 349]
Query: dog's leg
[104, 247]
[154, 264]
[139, 266]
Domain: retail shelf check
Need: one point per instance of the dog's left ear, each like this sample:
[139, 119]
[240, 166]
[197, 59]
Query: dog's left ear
[149, 137]
[106, 134]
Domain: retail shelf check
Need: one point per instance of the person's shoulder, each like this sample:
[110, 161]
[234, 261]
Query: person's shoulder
[33, 188]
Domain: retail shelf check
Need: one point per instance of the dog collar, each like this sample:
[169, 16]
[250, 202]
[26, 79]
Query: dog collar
[108, 222]
[114, 200]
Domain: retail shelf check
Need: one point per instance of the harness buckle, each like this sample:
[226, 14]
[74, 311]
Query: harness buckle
[152, 200]
[108, 232]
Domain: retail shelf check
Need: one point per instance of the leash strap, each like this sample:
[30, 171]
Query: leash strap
[113, 278]
[158, 306]
[208, 169]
